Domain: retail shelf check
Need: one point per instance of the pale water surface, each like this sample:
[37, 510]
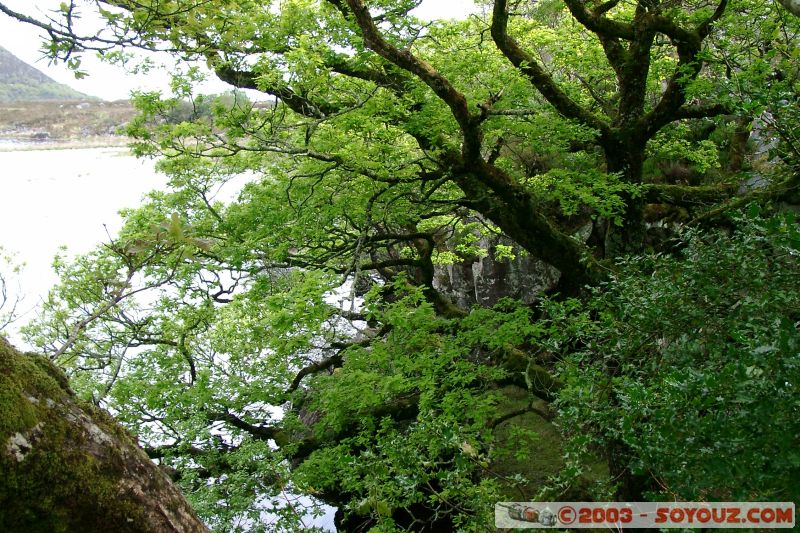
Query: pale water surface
[53, 198]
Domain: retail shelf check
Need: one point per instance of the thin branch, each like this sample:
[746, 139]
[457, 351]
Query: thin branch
[528, 65]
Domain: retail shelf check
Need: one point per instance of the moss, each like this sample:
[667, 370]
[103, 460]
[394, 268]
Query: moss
[543, 455]
[18, 375]
[52, 483]
[52, 371]
[540, 457]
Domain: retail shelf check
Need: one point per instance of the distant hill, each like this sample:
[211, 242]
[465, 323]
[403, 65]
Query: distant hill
[20, 82]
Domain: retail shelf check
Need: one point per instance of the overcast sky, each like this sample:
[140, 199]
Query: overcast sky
[110, 82]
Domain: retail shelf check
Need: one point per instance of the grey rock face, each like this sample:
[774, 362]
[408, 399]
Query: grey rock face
[486, 280]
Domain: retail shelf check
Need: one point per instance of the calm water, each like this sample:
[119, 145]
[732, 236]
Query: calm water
[53, 198]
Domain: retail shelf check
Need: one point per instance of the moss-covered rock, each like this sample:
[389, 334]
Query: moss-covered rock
[68, 466]
[538, 454]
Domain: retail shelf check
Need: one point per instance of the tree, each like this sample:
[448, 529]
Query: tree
[394, 147]
[10, 298]
[705, 342]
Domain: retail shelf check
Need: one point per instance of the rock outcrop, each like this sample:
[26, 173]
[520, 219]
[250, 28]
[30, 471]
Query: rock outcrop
[67, 466]
[485, 280]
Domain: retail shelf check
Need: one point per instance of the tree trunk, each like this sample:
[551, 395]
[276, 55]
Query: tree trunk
[628, 237]
[738, 149]
[793, 6]
[68, 466]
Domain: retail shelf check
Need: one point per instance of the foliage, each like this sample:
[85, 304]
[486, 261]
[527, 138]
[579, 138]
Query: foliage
[10, 292]
[692, 362]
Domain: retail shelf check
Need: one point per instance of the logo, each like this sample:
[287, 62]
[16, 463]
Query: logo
[623, 515]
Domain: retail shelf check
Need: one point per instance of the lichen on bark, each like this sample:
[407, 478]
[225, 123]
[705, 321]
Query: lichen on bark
[68, 466]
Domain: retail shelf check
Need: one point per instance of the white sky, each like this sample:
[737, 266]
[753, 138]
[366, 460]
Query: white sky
[112, 83]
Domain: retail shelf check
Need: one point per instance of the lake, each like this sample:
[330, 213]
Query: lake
[71, 198]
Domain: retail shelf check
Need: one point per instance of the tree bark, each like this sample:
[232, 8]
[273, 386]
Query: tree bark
[792, 6]
[627, 238]
[68, 466]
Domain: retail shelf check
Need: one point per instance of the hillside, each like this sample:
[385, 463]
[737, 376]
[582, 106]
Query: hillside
[58, 123]
[21, 82]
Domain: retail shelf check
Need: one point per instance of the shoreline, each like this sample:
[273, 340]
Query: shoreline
[17, 144]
